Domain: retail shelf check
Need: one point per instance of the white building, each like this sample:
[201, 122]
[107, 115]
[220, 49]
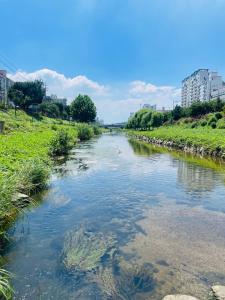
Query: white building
[219, 93]
[202, 85]
[5, 84]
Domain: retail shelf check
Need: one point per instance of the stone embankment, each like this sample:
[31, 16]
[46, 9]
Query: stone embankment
[179, 146]
[217, 293]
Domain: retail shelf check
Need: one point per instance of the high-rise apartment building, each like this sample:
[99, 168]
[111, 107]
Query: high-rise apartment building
[5, 84]
[202, 85]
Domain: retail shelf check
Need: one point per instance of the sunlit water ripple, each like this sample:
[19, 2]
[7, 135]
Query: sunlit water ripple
[165, 212]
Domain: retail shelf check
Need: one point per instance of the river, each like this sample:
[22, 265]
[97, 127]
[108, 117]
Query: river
[161, 214]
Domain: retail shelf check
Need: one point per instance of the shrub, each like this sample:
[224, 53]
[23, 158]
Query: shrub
[218, 115]
[85, 132]
[212, 120]
[54, 127]
[188, 120]
[213, 125]
[221, 123]
[194, 124]
[60, 144]
[97, 130]
[203, 123]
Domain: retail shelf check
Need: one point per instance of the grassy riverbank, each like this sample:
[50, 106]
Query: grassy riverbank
[211, 141]
[28, 147]
[26, 151]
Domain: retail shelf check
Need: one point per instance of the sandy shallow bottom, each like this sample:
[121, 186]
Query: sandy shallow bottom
[185, 244]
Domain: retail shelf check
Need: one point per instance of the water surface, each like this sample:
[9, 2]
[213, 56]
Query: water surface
[165, 213]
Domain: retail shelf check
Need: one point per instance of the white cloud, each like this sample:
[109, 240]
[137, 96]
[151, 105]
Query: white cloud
[59, 84]
[114, 103]
[139, 88]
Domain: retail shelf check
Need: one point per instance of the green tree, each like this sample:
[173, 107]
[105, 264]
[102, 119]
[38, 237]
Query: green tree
[83, 109]
[17, 97]
[156, 119]
[177, 112]
[33, 92]
[146, 119]
[50, 110]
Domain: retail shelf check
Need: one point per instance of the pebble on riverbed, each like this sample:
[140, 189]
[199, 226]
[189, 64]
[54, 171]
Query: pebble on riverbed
[218, 292]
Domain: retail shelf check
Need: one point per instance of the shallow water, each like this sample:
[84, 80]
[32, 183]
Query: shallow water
[165, 213]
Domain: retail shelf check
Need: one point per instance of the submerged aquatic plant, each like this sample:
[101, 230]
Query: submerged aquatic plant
[6, 290]
[84, 249]
[133, 279]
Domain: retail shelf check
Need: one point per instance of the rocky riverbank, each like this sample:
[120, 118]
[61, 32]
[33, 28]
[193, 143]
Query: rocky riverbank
[200, 150]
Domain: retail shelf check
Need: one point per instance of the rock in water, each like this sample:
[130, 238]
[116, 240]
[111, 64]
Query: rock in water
[179, 297]
[219, 292]
[83, 249]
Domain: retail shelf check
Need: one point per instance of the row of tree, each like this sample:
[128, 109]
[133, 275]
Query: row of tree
[197, 109]
[146, 118]
[31, 94]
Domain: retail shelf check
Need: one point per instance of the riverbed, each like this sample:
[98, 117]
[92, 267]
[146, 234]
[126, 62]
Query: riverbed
[164, 212]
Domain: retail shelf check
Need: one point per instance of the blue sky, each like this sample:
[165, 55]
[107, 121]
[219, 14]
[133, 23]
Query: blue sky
[115, 44]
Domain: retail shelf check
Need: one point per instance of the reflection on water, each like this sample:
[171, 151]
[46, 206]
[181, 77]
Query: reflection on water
[122, 220]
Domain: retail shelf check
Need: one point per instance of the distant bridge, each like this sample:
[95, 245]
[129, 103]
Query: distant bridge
[114, 126]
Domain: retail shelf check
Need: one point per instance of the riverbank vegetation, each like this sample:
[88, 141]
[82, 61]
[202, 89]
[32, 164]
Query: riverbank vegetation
[27, 149]
[199, 114]
[32, 134]
[31, 97]
[211, 140]
[199, 128]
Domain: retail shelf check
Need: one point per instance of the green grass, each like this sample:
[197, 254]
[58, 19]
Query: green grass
[210, 139]
[6, 290]
[26, 150]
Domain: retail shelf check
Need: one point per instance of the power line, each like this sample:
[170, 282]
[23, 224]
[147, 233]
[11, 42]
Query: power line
[6, 62]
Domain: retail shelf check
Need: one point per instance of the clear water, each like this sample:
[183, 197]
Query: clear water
[165, 213]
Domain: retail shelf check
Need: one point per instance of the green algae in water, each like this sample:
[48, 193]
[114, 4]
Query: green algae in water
[134, 279]
[131, 280]
[83, 249]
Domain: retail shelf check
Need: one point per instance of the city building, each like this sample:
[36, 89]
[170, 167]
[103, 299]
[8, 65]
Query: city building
[202, 85]
[219, 93]
[150, 106]
[55, 99]
[5, 84]
[163, 110]
[154, 108]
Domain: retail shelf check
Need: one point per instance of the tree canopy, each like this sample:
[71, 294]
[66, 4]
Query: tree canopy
[24, 94]
[83, 109]
[146, 118]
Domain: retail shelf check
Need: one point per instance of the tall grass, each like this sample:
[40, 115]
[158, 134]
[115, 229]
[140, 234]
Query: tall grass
[8, 186]
[85, 132]
[33, 176]
[60, 144]
[97, 130]
[6, 290]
